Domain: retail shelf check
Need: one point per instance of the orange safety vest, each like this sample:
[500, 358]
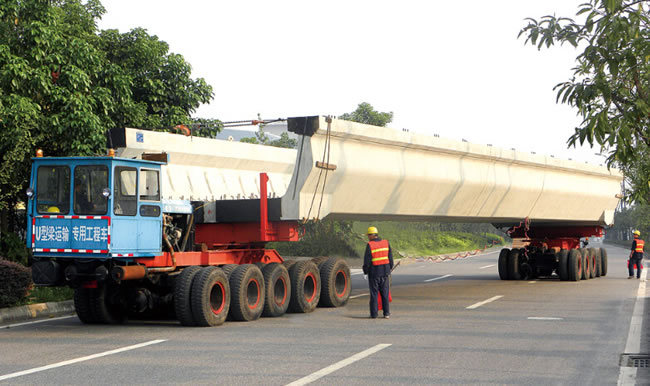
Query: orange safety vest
[639, 245]
[379, 251]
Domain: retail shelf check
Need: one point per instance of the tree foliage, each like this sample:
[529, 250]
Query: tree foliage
[365, 113]
[610, 86]
[63, 84]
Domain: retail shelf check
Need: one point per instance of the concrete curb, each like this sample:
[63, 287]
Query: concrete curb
[32, 311]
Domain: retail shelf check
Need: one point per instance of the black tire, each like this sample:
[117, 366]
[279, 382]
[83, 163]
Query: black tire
[599, 262]
[247, 293]
[289, 263]
[182, 295]
[603, 262]
[210, 297]
[514, 272]
[228, 268]
[575, 265]
[594, 263]
[319, 261]
[105, 305]
[503, 263]
[586, 264]
[335, 282]
[563, 265]
[82, 305]
[277, 293]
[305, 287]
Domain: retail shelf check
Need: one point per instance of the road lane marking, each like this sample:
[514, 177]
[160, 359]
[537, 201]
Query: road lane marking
[338, 365]
[490, 300]
[357, 296]
[77, 360]
[627, 375]
[438, 278]
[37, 321]
[544, 318]
[487, 266]
[356, 271]
[532, 282]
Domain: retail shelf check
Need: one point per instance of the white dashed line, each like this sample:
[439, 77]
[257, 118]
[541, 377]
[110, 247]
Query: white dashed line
[77, 360]
[490, 300]
[358, 296]
[627, 375]
[338, 365]
[356, 271]
[532, 282]
[543, 318]
[438, 278]
[37, 321]
[487, 266]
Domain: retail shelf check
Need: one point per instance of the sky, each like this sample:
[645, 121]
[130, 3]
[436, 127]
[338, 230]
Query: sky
[456, 69]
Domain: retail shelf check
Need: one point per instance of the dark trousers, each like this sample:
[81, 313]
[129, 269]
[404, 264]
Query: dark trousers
[635, 260]
[378, 285]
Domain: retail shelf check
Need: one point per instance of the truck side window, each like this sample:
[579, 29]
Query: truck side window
[125, 195]
[89, 182]
[149, 186]
[53, 190]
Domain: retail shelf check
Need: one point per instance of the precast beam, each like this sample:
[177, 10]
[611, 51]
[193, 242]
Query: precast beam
[369, 172]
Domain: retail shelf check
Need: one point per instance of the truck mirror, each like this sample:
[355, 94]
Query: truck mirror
[106, 192]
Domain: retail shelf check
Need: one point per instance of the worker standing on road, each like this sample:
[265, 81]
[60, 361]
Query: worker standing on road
[636, 255]
[377, 264]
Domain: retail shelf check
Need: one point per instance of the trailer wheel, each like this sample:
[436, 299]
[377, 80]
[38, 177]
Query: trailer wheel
[586, 264]
[593, 262]
[182, 293]
[277, 292]
[210, 297]
[305, 286]
[563, 264]
[599, 262]
[575, 265]
[105, 306]
[603, 262]
[82, 305]
[335, 282]
[228, 268]
[503, 263]
[319, 261]
[289, 263]
[247, 299]
[513, 265]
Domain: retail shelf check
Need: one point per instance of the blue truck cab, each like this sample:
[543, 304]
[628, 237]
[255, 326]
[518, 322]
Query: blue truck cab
[92, 208]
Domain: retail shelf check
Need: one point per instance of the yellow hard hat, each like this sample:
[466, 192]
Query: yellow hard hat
[372, 231]
[53, 209]
[637, 233]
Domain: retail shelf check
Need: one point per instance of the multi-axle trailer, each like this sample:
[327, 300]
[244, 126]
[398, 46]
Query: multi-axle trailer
[180, 224]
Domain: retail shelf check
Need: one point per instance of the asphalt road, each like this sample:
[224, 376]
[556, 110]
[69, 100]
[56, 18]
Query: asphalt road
[465, 328]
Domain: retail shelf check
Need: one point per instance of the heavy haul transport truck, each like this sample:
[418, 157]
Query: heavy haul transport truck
[102, 226]
[174, 221]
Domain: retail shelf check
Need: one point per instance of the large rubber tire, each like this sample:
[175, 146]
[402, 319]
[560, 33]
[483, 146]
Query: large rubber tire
[503, 263]
[563, 265]
[182, 295]
[319, 261]
[289, 263]
[586, 264]
[514, 272]
[603, 262]
[228, 268]
[210, 297]
[574, 265]
[82, 305]
[593, 263]
[277, 292]
[599, 262]
[335, 283]
[247, 293]
[104, 305]
[305, 286]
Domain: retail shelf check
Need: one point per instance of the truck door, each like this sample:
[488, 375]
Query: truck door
[150, 223]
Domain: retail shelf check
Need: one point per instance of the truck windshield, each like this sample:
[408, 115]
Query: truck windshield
[89, 182]
[53, 190]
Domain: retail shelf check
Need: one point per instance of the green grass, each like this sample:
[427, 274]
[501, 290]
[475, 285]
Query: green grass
[47, 294]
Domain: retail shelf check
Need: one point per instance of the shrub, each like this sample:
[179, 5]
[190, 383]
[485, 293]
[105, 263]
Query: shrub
[13, 248]
[15, 282]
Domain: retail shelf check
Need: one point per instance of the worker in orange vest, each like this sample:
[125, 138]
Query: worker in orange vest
[377, 264]
[636, 255]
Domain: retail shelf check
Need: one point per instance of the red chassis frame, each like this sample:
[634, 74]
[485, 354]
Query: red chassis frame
[567, 237]
[234, 243]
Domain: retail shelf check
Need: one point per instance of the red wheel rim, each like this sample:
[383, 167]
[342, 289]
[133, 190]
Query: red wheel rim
[253, 293]
[341, 279]
[217, 298]
[309, 287]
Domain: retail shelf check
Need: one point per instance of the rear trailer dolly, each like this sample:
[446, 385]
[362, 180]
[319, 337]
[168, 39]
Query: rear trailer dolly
[550, 251]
